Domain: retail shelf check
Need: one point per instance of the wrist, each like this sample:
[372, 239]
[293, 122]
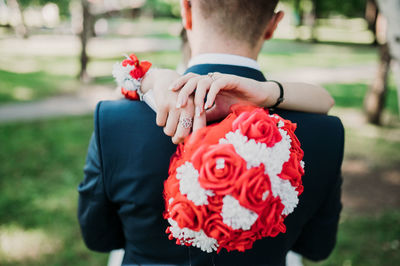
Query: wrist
[272, 91]
[149, 80]
[280, 99]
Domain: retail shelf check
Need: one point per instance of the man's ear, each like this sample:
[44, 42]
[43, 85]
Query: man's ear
[273, 24]
[186, 13]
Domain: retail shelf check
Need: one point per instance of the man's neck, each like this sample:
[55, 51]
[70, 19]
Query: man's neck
[210, 44]
[224, 59]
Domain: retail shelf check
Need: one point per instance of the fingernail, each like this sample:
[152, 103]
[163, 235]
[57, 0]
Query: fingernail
[171, 87]
[197, 111]
[206, 106]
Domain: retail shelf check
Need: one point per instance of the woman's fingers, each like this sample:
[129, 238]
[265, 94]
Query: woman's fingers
[172, 123]
[215, 87]
[185, 123]
[203, 86]
[162, 114]
[199, 121]
[186, 91]
[181, 81]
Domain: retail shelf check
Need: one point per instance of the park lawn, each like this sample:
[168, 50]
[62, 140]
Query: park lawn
[282, 55]
[41, 167]
[20, 87]
[34, 77]
[366, 240]
[352, 95]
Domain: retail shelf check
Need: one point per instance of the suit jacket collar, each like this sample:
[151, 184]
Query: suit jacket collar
[247, 72]
[224, 59]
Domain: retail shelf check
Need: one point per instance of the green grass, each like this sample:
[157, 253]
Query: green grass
[352, 95]
[33, 85]
[41, 166]
[367, 241]
[280, 55]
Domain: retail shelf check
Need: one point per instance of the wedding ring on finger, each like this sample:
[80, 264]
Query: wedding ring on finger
[212, 76]
[186, 122]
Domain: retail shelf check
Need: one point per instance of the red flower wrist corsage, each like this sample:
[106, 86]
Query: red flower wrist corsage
[129, 75]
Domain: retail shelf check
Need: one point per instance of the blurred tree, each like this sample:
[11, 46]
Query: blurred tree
[84, 36]
[371, 16]
[307, 12]
[162, 8]
[63, 5]
[93, 10]
[324, 9]
[374, 100]
[20, 27]
[390, 53]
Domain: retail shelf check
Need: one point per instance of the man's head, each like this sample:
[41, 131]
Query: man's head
[238, 24]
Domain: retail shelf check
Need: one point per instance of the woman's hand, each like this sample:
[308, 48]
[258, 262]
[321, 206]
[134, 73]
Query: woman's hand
[229, 88]
[232, 89]
[175, 121]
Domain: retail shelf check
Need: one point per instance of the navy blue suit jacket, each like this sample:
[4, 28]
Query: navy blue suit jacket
[121, 203]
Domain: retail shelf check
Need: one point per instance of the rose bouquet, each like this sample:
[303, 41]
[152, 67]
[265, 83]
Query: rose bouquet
[234, 182]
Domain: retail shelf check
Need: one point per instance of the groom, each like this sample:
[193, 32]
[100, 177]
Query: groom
[120, 199]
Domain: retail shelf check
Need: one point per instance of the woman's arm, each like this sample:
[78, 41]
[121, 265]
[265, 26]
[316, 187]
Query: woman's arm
[297, 96]
[190, 90]
[168, 116]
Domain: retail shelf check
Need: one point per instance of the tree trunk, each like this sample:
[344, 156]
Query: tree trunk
[20, 29]
[84, 36]
[371, 15]
[375, 98]
[314, 16]
[391, 11]
[396, 72]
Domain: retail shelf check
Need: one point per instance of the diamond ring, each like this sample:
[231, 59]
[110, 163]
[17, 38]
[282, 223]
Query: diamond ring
[186, 122]
[212, 76]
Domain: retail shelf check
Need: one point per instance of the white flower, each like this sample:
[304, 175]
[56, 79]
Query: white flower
[235, 215]
[189, 184]
[197, 239]
[273, 159]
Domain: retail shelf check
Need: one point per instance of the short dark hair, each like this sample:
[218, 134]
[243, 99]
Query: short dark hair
[241, 19]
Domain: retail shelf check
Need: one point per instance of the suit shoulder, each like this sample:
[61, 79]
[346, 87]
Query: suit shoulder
[322, 122]
[122, 119]
[121, 109]
[109, 114]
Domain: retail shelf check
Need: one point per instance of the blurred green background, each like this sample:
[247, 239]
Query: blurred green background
[41, 159]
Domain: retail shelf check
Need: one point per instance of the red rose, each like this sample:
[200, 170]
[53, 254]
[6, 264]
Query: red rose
[215, 203]
[131, 95]
[290, 128]
[292, 170]
[186, 214]
[269, 217]
[137, 73]
[171, 187]
[279, 227]
[214, 227]
[259, 126]
[220, 166]
[175, 159]
[252, 186]
[240, 241]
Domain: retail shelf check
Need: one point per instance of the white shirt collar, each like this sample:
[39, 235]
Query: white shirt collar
[224, 59]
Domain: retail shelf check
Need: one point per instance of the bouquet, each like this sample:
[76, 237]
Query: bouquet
[234, 182]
